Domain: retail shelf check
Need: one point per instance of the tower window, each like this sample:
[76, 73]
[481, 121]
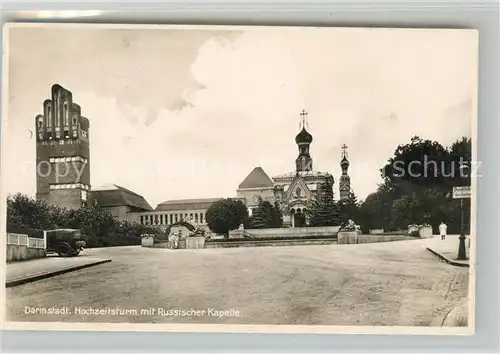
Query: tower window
[65, 113]
[49, 116]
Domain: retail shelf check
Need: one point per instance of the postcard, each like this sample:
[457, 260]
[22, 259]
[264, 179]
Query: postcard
[239, 178]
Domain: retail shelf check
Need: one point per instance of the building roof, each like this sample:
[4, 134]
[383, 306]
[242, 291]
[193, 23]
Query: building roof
[256, 179]
[114, 195]
[303, 174]
[187, 204]
[303, 137]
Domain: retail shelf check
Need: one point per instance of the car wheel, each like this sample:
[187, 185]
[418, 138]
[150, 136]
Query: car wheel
[65, 250]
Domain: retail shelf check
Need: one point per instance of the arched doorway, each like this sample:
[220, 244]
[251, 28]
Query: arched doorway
[299, 218]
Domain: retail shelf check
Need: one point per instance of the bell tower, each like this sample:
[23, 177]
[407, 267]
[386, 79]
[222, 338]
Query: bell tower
[303, 140]
[345, 180]
[62, 152]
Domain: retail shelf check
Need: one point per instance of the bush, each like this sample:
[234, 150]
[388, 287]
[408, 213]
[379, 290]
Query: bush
[20, 229]
[98, 227]
[225, 215]
[348, 227]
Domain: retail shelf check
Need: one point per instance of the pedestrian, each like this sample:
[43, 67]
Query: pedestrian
[175, 241]
[442, 230]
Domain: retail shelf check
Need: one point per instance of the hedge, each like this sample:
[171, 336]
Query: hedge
[21, 229]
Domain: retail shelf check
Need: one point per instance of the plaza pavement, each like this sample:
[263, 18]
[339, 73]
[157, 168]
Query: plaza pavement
[23, 272]
[397, 283]
[447, 249]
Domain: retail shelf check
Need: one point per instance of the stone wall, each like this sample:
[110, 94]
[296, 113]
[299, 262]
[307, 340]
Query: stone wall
[21, 247]
[327, 231]
[161, 245]
[195, 242]
[384, 238]
[147, 241]
[270, 243]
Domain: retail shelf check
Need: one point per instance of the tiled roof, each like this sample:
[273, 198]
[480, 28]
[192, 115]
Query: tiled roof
[187, 204]
[114, 195]
[256, 179]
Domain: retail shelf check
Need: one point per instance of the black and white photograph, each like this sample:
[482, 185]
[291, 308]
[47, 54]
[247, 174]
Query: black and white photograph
[239, 178]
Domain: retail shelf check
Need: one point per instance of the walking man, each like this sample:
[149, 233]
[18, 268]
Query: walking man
[175, 241]
[442, 230]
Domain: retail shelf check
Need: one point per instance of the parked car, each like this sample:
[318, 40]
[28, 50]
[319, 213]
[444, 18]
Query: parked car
[65, 242]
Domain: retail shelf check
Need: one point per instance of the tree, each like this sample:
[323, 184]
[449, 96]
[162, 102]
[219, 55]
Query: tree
[418, 182]
[97, 225]
[266, 215]
[348, 209]
[25, 211]
[324, 211]
[225, 215]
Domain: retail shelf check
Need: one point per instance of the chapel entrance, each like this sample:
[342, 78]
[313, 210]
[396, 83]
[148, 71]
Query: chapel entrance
[299, 219]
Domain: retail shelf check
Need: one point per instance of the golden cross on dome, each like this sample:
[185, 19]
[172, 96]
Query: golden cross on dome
[344, 151]
[303, 116]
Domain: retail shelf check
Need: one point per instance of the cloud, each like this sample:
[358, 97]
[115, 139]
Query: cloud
[187, 113]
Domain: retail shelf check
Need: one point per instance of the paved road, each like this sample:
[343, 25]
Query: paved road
[397, 283]
[52, 263]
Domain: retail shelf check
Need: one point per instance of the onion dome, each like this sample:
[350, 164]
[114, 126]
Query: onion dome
[303, 137]
[344, 162]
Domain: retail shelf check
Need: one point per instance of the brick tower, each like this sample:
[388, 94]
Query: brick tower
[62, 152]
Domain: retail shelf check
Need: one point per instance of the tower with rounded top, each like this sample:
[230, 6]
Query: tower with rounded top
[303, 141]
[62, 152]
[345, 180]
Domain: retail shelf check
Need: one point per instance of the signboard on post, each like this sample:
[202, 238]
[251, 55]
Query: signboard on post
[461, 192]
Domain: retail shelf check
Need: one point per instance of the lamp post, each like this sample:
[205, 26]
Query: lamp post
[462, 254]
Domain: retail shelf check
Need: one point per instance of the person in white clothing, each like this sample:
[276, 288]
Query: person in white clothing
[442, 230]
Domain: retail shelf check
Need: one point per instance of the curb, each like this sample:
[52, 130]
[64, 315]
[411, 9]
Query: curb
[29, 279]
[454, 317]
[449, 261]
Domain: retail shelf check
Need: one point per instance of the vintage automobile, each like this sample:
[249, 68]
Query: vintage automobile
[65, 242]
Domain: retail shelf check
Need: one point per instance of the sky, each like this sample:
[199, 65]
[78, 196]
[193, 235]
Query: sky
[188, 112]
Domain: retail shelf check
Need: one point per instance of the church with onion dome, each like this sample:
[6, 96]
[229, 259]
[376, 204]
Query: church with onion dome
[294, 191]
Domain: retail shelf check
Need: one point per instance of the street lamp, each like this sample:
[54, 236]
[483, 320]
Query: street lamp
[462, 255]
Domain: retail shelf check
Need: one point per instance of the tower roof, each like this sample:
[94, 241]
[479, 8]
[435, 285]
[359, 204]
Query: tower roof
[303, 137]
[344, 161]
[256, 179]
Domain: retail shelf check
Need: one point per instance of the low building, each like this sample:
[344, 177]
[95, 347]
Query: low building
[119, 202]
[172, 212]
